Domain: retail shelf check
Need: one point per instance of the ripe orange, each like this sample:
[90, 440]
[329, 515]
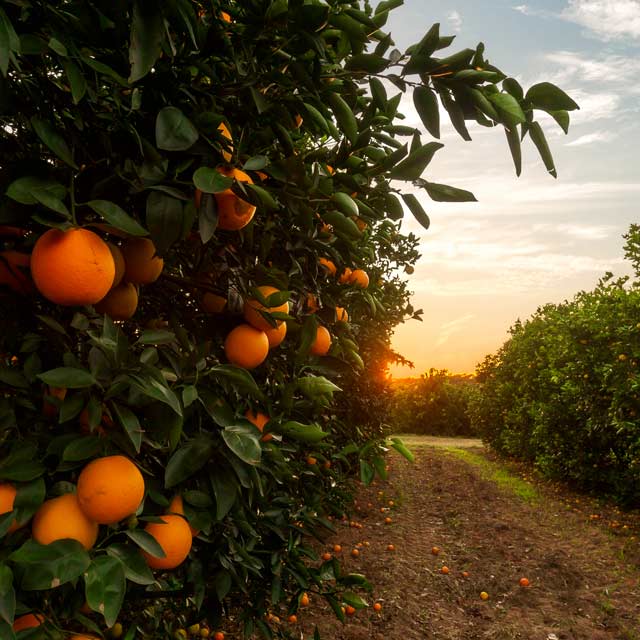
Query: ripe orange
[49, 409]
[213, 303]
[120, 303]
[227, 18]
[524, 582]
[312, 303]
[176, 506]
[276, 336]
[484, 595]
[337, 548]
[28, 621]
[326, 556]
[246, 346]
[62, 517]
[435, 550]
[304, 600]
[341, 315]
[311, 461]
[465, 574]
[293, 619]
[345, 276]
[444, 570]
[329, 267]
[118, 261]
[327, 464]
[7, 498]
[298, 120]
[222, 127]
[142, 265]
[387, 520]
[72, 267]
[359, 278]
[233, 212]
[391, 547]
[14, 272]
[174, 536]
[349, 610]
[322, 343]
[330, 169]
[252, 308]
[355, 553]
[377, 607]
[110, 489]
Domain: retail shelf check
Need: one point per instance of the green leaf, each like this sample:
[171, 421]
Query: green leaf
[53, 140]
[264, 199]
[416, 208]
[508, 109]
[244, 442]
[20, 466]
[240, 379]
[77, 81]
[29, 497]
[368, 62]
[117, 217]
[158, 391]
[548, 97]
[412, 167]
[562, 118]
[217, 408]
[312, 386]
[211, 180]
[367, 473]
[82, 448]
[188, 459]
[456, 115]
[256, 163]
[133, 563]
[105, 586]
[354, 600]
[130, 424]
[165, 219]
[302, 432]
[29, 189]
[147, 34]
[174, 131]
[146, 542]
[445, 193]
[8, 42]
[513, 138]
[400, 447]
[393, 207]
[7, 594]
[156, 336]
[316, 117]
[104, 69]
[345, 203]
[513, 87]
[538, 137]
[49, 566]
[225, 489]
[426, 104]
[379, 94]
[341, 224]
[344, 116]
[68, 377]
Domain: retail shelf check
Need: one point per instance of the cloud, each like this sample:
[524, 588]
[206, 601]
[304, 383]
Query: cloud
[591, 138]
[455, 19]
[607, 68]
[450, 328]
[606, 19]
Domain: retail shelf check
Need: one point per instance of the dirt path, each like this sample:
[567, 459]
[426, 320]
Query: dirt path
[498, 526]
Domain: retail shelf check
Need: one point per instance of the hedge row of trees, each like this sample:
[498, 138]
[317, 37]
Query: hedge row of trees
[564, 390]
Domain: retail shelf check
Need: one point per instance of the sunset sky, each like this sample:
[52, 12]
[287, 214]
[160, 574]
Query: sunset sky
[533, 239]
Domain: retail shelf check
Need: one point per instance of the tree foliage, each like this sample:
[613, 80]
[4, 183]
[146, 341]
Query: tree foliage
[111, 120]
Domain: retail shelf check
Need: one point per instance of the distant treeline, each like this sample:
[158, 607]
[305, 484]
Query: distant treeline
[436, 404]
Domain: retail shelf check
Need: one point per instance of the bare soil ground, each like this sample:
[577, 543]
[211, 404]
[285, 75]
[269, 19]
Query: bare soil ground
[580, 556]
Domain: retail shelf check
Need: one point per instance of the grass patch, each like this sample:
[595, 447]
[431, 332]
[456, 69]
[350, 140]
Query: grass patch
[494, 472]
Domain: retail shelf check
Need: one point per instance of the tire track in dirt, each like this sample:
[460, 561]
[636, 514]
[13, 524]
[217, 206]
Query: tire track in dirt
[581, 586]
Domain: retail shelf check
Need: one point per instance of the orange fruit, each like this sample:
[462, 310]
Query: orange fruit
[72, 267]
[484, 595]
[345, 276]
[174, 536]
[311, 461]
[377, 607]
[298, 120]
[110, 489]
[359, 278]
[349, 610]
[326, 556]
[277, 335]
[120, 303]
[142, 265]
[328, 265]
[322, 343]
[330, 169]
[176, 506]
[227, 18]
[435, 550]
[355, 553]
[7, 498]
[224, 130]
[337, 548]
[246, 346]
[327, 464]
[257, 418]
[312, 303]
[233, 212]
[387, 520]
[28, 621]
[118, 261]
[292, 619]
[14, 271]
[304, 600]
[524, 582]
[49, 409]
[252, 308]
[391, 547]
[341, 315]
[62, 517]
[213, 303]
[444, 570]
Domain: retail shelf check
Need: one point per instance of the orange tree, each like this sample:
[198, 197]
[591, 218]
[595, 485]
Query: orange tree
[200, 217]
